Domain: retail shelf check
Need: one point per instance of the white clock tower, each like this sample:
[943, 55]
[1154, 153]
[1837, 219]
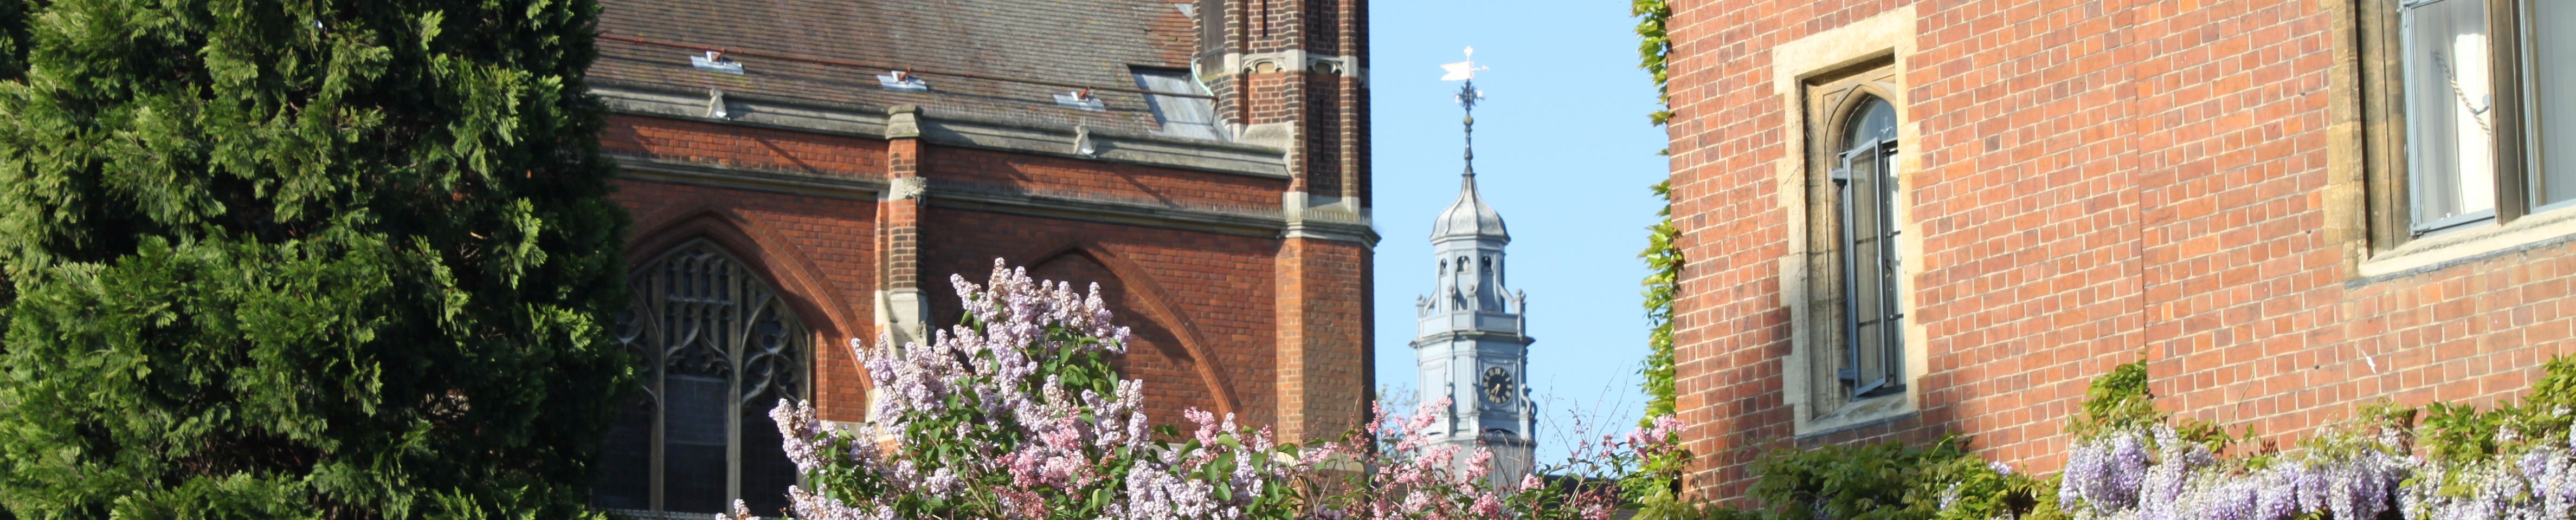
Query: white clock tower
[1470, 346]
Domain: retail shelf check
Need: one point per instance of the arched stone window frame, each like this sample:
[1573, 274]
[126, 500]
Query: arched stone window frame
[1822, 77]
[772, 358]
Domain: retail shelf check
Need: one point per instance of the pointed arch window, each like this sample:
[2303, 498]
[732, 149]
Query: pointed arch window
[719, 348]
[1873, 325]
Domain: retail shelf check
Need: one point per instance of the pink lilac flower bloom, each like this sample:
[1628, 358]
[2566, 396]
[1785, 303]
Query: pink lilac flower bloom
[1015, 441]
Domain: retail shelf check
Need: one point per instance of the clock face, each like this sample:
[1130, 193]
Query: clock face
[1498, 385]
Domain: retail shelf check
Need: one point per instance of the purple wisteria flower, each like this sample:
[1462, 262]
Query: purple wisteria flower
[2348, 478]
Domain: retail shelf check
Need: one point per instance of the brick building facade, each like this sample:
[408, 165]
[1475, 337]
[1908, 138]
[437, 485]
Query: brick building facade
[1204, 162]
[1911, 218]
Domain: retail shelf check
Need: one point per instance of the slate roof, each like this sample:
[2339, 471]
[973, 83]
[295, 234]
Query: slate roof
[1089, 42]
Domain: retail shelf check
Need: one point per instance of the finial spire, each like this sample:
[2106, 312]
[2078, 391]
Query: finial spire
[1467, 96]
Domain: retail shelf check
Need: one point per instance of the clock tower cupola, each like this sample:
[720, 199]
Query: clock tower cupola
[1471, 347]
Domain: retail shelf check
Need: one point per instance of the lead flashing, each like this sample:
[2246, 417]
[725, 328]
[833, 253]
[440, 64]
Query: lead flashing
[694, 174]
[874, 123]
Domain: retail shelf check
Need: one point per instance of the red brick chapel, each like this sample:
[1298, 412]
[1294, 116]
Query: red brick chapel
[805, 172]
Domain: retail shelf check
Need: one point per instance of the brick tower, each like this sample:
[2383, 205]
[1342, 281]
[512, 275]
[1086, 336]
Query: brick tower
[805, 172]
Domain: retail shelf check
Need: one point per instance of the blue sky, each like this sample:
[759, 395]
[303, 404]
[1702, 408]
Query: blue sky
[1563, 150]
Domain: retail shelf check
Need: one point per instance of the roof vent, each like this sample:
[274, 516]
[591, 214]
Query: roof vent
[714, 60]
[1082, 144]
[902, 80]
[1081, 99]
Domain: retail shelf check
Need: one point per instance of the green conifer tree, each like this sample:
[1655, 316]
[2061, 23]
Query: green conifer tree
[304, 259]
[13, 26]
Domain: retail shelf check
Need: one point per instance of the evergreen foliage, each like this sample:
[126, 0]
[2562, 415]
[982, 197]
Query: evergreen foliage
[13, 29]
[284, 259]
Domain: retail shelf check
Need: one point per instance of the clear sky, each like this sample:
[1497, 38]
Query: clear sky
[1563, 151]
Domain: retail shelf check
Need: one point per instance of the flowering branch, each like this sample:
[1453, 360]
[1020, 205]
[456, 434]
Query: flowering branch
[1019, 413]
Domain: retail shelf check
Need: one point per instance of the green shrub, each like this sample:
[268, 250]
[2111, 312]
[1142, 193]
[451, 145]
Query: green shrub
[279, 259]
[1882, 481]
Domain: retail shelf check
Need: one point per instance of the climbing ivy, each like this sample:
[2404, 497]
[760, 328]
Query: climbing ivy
[1654, 46]
[1663, 260]
[1660, 482]
[1663, 273]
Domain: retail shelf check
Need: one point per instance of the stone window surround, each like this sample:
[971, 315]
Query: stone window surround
[744, 289]
[2365, 195]
[1886, 40]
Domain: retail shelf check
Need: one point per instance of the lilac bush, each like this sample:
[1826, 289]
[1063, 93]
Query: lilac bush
[1388, 473]
[1607, 473]
[1018, 413]
[1406, 480]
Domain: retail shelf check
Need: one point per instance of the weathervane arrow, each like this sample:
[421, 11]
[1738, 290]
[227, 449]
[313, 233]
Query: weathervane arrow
[1467, 96]
[1465, 70]
[1462, 70]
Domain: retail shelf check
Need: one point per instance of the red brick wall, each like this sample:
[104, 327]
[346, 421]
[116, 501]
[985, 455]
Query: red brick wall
[1325, 317]
[1205, 307]
[744, 147]
[1056, 175]
[2098, 180]
[1200, 304]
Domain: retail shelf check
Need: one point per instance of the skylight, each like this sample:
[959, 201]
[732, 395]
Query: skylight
[1187, 117]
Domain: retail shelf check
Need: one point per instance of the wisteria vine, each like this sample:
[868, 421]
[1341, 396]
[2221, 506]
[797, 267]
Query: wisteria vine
[2510, 463]
[2131, 461]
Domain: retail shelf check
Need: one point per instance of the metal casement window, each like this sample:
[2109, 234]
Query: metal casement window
[720, 348]
[2488, 97]
[1873, 325]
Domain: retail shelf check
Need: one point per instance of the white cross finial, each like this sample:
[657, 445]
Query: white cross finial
[1462, 70]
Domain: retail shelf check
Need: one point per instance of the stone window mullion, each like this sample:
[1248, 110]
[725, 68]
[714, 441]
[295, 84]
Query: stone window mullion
[719, 347]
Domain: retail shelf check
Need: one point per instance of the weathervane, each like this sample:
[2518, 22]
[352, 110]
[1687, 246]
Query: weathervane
[1467, 96]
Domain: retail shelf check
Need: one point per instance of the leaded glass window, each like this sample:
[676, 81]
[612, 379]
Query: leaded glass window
[719, 349]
